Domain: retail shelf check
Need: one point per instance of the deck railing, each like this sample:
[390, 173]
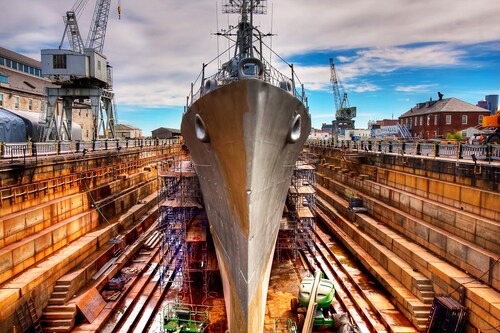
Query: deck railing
[219, 71]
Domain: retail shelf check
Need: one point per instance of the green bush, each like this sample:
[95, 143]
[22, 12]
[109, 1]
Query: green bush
[454, 135]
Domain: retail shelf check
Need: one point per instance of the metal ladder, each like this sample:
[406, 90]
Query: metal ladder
[22, 319]
[34, 317]
[24, 325]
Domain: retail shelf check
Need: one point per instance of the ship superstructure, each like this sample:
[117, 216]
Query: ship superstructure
[245, 128]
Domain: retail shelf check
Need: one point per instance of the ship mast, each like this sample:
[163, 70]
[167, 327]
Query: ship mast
[245, 32]
[246, 8]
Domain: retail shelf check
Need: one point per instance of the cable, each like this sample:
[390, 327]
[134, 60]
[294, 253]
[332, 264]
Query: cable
[475, 279]
[89, 192]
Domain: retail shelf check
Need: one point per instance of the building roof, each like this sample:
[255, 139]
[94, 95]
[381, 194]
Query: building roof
[172, 130]
[23, 82]
[326, 127]
[444, 105]
[125, 127]
[20, 58]
[387, 122]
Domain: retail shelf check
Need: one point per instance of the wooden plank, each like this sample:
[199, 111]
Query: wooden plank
[91, 304]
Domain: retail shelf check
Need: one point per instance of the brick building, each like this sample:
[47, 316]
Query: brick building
[434, 119]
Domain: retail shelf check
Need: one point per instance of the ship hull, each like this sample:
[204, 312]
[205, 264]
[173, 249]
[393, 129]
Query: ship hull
[240, 138]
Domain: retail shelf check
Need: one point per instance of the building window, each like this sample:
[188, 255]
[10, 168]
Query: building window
[98, 65]
[37, 72]
[26, 69]
[1, 99]
[480, 120]
[2, 61]
[30, 104]
[435, 119]
[59, 60]
[14, 65]
[464, 119]
[428, 120]
[16, 102]
[8, 62]
[421, 120]
[32, 70]
[3, 79]
[415, 121]
[448, 119]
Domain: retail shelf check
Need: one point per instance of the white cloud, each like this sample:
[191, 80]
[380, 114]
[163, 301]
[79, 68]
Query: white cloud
[416, 88]
[158, 47]
[363, 87]
[388, 59]
[353, 71]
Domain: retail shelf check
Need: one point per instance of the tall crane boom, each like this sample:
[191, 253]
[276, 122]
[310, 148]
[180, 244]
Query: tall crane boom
[73, 32]
[97, 31]
[344, 113]
[335, 84]
[340, 102]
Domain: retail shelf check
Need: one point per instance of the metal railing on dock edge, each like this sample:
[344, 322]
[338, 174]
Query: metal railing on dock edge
[34, 149]
[456, 151]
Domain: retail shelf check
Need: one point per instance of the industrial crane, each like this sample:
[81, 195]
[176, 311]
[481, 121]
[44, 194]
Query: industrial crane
[340, 102]
[344, 112]
[83, 73]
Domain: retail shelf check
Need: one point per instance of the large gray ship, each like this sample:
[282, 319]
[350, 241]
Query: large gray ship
[244, 129]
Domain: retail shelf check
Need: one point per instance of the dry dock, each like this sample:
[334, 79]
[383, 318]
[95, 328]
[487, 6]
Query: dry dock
[70, 224]
[431, 227]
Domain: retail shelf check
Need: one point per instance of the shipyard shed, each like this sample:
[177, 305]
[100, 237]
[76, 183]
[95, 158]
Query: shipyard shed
[127, 131]
[165, 133]
[21, 126]
[12, 128]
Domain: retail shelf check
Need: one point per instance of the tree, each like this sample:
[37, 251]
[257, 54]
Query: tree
[454, 135]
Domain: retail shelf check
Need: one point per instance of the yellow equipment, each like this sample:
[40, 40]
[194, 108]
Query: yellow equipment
[493, 121]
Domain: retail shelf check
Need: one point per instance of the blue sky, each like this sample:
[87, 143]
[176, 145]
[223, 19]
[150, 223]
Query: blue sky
[383, 88]
[389, 54]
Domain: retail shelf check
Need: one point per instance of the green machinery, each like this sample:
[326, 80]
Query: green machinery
[323, 291]
[315, 300]
[179, 318]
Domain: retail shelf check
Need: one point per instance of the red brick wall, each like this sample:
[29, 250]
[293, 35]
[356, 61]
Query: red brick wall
[425, 131]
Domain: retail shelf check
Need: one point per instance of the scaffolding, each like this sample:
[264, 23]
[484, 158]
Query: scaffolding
[183, 224]
[299, 217]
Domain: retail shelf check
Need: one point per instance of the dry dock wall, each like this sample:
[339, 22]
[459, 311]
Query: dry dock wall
[47, 231]
[446, 230]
